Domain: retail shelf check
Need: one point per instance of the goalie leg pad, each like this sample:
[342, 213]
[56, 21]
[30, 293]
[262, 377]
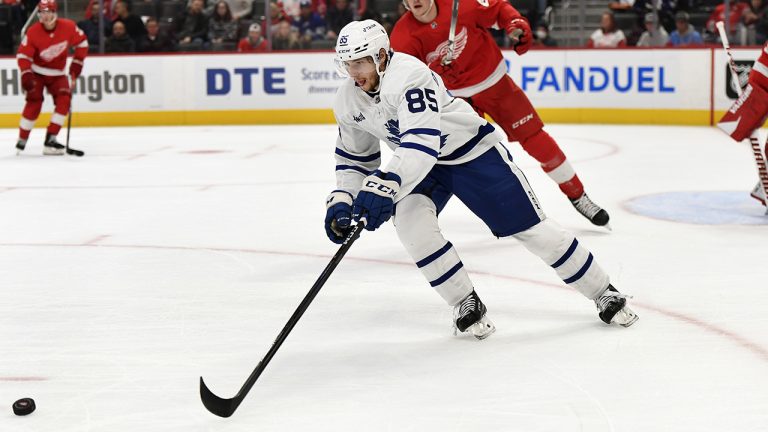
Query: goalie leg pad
[748, 113]
[416, 225]
[562, 251]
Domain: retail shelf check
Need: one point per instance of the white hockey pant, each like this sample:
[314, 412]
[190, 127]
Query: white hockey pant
[560, 250]
[416, 224]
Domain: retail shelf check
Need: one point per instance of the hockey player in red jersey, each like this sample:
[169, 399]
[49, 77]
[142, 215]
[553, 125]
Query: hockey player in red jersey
[42, 58]
[750, 111]
[477, 72]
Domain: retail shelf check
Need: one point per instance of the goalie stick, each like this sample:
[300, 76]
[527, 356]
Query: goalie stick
[754, 138]
[226, 407]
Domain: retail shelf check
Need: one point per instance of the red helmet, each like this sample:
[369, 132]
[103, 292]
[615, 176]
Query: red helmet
[47, 6]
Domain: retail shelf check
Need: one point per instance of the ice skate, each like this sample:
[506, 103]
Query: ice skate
[612, 307]
[21, 144]
[470, 317]
[596, 214]
[52, 147]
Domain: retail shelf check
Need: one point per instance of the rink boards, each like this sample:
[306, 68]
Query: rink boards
[637, 86]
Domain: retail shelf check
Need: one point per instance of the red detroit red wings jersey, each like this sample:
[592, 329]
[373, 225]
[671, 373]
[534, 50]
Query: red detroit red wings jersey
[477, 62]
[46, 51]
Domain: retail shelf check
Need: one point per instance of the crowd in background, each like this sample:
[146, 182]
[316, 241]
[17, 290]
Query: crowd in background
[249, 25]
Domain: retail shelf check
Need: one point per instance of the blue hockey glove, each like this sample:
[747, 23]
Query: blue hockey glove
[376, 199]
[338, 215]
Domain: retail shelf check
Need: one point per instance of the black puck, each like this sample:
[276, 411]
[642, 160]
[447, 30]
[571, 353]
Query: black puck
[23, 406]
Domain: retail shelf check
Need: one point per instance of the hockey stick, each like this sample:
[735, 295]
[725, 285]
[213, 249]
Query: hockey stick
[226, 407]
[68, 149]
[452, 33]
[754, 138]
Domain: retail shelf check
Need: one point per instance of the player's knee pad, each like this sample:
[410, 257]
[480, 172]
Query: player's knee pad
[561, 250]
[748, 113]
[542, 147]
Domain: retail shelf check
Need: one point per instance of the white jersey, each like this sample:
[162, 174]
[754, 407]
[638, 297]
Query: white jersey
[415, 116]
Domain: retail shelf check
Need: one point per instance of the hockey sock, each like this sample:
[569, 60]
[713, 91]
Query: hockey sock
[57, 120]
[28, 116]
[544, 149]
[416, 225]
[573, 263]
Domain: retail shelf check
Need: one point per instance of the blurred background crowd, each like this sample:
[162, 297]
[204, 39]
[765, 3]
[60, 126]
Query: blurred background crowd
[126, 26]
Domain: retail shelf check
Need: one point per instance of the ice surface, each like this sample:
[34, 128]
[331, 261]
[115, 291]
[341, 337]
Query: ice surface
[166, 254]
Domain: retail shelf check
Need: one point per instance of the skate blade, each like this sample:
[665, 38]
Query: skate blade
[625, 317]
[482, 328]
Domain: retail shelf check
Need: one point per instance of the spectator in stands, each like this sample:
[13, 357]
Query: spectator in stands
[109, 11]
[311, 26]
[654, 34]
[154, 40]
[734, 18]
[286, 37]
[241, 8]
[193, 27]
[685, 34]
[608, 35]
[222, 28]
[339, 15]
[208, 6]
[90, 26]
[254, 42]
[134, 26]
[119, 42]
[621, 5]
[542, 38]
[664, 8]
[755, 20]
[276, 16]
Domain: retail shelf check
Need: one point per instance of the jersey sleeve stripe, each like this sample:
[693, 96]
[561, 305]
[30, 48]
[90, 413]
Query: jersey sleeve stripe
[482, 132]
[22, 56]
[83, 44]
[363, 158]
[419, 147]
[421, 131]
[353, 168]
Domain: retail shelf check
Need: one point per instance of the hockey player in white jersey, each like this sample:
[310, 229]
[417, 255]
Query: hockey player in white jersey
[440, 148]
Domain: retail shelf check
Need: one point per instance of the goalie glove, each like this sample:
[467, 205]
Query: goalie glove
[520, 32]
[338, 215]
[376, 199]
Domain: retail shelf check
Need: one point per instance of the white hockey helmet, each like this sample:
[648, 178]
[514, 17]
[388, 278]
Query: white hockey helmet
[360, 39]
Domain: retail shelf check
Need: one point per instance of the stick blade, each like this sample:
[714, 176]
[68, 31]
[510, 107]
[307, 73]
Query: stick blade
[73, 152]
[216, 405]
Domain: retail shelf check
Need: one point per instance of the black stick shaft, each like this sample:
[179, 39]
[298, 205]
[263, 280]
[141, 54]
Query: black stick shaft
[225, 407]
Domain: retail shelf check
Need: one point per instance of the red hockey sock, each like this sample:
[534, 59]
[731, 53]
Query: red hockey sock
[553, 161]
[28, 116]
